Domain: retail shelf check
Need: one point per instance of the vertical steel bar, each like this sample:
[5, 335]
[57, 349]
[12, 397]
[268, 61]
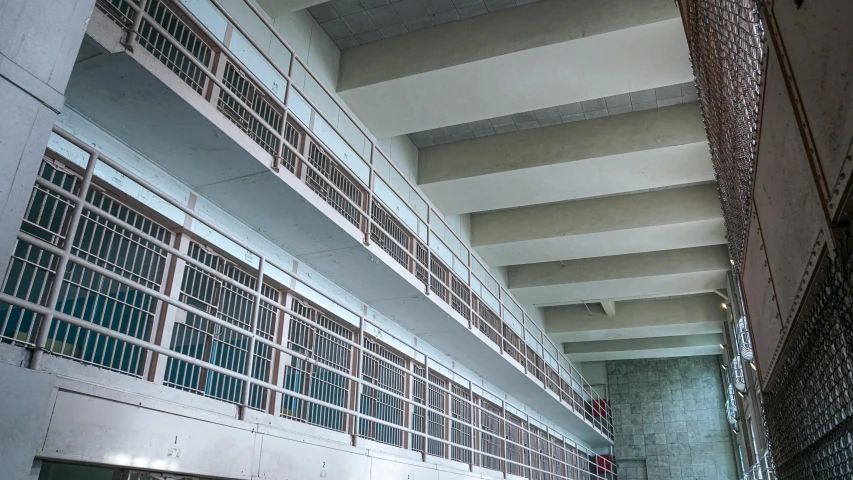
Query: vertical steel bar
[250, 356]
[62, 264]
[132, 32]
[358, 358]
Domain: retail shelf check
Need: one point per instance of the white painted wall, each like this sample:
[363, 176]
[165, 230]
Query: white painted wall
[404, 155]
[113, 148]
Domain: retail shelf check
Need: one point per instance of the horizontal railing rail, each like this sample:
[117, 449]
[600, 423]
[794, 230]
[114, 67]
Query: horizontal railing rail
[461, 265]
[109, 242]
[764, 468]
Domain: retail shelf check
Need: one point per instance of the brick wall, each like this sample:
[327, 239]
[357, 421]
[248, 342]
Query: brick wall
[669, 419]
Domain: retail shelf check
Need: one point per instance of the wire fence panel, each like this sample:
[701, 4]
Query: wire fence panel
[162, 48]
[332, 174]
[516, 453]
[201, 338]
[322, 380]
[384, 229]
[436, 424]
[810, 412]
[105, 302]
[32, 269]
[419, 397]
[240, 86]
[490, 439]
[460, 432]
[267, 328]
[726, 42]
[388, 373]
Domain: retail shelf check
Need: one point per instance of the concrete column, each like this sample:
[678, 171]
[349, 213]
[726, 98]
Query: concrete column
[25, 405]
[39, 40]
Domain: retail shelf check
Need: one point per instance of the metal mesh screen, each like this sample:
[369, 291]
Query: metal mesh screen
[810, 413]
[726, 40]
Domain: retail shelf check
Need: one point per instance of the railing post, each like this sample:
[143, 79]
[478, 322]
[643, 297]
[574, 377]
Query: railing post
[358, 360]
[368, 207]
[220, 60]
[283, 359]
[170, 313]
[250, 356]
[132, 33]
[61, 265]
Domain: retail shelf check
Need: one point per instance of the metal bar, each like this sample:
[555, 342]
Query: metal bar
[194, 361]
[62, 264]
[193, 215]
[250, 356]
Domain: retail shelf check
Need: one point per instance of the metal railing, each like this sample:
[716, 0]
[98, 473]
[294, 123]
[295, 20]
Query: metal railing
[743, 339]
[727, 52]
[764, 469]
[143, 296]
[738, 376]
[366, 188]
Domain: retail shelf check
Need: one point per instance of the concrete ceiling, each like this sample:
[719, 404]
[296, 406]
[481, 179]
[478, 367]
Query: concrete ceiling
[569, 132]
[351, 23]
[531, 57]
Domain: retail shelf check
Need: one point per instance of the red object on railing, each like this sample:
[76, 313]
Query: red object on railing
[605, 463]
[599, 407]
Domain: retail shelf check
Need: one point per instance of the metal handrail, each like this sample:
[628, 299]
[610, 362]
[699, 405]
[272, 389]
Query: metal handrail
[67, 255]
[502, 295]
[764, 468]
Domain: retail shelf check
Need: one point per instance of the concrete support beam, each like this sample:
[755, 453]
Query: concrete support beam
[681, 346]
[689, 315]
[481, 67]
[643, 150]
[643, 222]
[39, 40]
[609, 307]
[275, 8]
[653, 274]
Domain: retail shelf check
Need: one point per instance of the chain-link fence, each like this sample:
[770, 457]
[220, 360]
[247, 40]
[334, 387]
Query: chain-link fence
[726, 40]
[810, 412]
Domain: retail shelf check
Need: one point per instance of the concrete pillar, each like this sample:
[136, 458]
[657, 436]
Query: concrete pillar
[25, 405]
[39, 40]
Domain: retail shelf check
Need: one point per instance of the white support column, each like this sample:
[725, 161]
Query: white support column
[24, 414]
[39, 40]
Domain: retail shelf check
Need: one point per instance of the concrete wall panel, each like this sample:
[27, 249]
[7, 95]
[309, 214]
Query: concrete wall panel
[786, 199]
[24, 412]
[671, 414]
[760, 301]
[114, 434]
[283, 458]
[818, 41]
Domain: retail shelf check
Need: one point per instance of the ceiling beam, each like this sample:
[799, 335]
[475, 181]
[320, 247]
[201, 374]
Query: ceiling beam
[540, 55]
[664, 273]
[276, 8]
[625, 224]
[686, 315]
[649, 149]
[676, 346]
[609, 307]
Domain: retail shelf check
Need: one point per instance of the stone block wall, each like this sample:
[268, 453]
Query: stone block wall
[669, 419]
